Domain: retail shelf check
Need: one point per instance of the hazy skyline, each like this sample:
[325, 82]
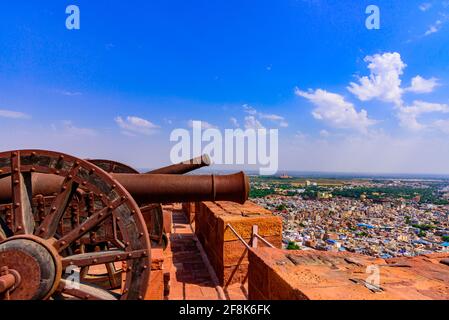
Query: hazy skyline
[344, 98]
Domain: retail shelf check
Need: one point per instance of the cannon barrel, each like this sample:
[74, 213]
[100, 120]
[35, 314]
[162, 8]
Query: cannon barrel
[184, 167]
[179, 188]
[154, 188]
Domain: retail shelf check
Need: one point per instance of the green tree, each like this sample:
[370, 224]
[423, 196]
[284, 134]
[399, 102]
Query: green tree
[292, 246]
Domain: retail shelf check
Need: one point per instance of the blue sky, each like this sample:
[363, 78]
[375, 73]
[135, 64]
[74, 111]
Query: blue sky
[137, 70]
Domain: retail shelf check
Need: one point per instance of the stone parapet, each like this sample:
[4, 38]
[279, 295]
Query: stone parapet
[316, 275]
[227, 254]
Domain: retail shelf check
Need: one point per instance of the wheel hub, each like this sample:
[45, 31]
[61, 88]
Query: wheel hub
[36, 263]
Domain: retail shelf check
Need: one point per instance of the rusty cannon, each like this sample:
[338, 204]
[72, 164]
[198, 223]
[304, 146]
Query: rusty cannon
[112, 166]
[153, 213]
[61, 216]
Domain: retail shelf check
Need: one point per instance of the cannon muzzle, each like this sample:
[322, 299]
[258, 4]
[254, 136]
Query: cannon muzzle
[184, 167]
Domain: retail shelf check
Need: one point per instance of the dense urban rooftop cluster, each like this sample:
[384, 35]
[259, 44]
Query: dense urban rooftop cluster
[380, 224]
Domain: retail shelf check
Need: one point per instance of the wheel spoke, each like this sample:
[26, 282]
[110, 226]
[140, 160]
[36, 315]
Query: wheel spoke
[59, 206]
[103, 257]
[112, 275]
[93, 221]
[21, 198]
[83, 291]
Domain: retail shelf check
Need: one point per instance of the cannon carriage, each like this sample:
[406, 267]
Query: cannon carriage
[60, 213]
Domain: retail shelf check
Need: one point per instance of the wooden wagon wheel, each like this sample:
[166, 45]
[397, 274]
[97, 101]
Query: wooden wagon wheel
[39, 256]
[113, 166]
[111, 276]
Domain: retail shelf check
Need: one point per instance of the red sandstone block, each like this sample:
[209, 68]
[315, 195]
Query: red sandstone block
[257, 275]
[255, 294]
[281, 290]
[157, 258]
[268, 226]
[235, 253]
[168, 221]
[226, 253]
[235, 274]
[155, 289]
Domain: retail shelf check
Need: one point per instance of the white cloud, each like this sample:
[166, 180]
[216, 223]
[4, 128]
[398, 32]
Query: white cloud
[301, 136]
[434, 28]
[324, 133]
[70, 93]
[132, 125]
[14, 114]
[425, 6]
[249, 110]
[333, 109]
[442, 125]
[234, 122]
[408, 115]
[421, 85]
[274, 118]
[204, 124]
[271, 117]
[279, 120]
[70, 129]
[384, 81]
[252, 123]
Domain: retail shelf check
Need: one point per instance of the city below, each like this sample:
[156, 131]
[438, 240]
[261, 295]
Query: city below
[384, 216]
